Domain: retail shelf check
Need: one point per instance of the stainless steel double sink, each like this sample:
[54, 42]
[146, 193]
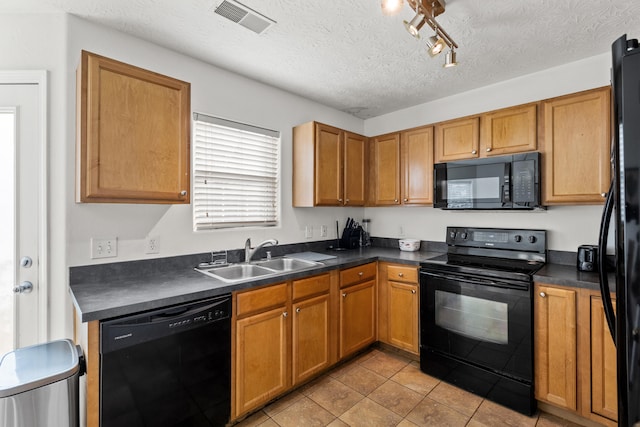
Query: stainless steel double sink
[257, 269]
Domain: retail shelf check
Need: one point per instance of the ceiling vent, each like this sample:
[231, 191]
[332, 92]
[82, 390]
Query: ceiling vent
[245, 16]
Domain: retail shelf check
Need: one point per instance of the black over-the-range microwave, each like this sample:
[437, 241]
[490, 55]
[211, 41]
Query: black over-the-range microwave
[505, 182]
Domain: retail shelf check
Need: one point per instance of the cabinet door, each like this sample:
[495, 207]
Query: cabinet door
[386, 170]
[310, 337]
[354, 170]
[576, 144]
[604, 385]
[403, 316]
[555, 345]
[457, 139]
[328, 166]
[417, 166]
[357, 317]
[133, 134]
[261, 358]
[511, 130]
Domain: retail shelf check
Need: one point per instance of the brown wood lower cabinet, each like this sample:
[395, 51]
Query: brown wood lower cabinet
[284, 335]
[261, 358]
[357, 308]
[555, 346]
[575, 358]
[398, 306]
[261, 347]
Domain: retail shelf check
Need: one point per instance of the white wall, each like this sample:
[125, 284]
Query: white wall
[213, 91]
[567, 226]
[37, 42]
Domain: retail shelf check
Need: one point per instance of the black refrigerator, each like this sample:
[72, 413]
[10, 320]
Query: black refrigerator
[624, 195]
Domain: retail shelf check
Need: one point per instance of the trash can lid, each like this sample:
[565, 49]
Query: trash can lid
[31, 367]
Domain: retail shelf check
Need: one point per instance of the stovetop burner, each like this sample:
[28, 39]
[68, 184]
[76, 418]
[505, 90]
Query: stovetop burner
[486, 263]
[510, 253]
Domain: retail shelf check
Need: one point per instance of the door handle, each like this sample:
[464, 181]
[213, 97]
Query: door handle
[23, 288]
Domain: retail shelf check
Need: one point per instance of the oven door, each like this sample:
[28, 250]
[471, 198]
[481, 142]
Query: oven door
[478, 321]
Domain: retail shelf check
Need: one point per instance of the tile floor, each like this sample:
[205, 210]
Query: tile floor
[382, 388]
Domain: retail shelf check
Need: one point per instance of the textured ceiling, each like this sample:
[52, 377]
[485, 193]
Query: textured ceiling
[347, 55]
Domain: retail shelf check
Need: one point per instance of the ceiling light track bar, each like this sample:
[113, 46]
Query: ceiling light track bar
[430, 9]
[442, 33]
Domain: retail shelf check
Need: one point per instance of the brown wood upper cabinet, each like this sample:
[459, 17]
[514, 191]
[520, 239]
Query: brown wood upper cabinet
[457, 139]
[133, 134]
[328, 166]
[496, 133]
[510, 130]
[575, 146]
[403, 168]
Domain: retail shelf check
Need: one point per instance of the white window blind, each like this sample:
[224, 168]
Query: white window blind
[236, 174]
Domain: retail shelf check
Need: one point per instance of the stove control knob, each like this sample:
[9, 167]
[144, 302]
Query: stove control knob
[463, 236]
[517, 238]
[532, 239]
[452, 234]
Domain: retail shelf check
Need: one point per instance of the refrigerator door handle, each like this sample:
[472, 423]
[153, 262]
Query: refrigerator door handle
[602, 256]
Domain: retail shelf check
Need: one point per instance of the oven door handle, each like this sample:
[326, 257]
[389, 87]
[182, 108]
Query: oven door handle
[475, 281]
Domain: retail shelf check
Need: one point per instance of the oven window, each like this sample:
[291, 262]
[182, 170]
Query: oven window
[472, 317]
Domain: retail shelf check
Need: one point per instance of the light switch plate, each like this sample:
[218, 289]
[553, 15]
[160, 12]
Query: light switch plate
[104, 248]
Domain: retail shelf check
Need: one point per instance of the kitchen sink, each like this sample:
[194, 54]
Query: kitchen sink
[245, 271]
[286, 264]
[236, 272]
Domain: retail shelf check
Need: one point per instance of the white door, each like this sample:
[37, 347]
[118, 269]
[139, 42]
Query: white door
[22, 210]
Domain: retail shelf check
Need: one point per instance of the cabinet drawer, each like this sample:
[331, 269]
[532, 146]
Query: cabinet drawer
[357, 274]
[311, 286]
[261, 299]
[399, 273]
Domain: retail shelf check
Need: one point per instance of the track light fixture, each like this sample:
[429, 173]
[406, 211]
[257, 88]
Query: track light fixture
[426, 12]
[436, 45]
[450, 59]
[413, 26]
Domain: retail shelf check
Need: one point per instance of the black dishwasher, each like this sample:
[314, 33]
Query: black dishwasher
[168, 367]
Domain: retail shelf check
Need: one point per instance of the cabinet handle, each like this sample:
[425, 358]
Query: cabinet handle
[360, 273]
[603, 194]
[285, 314]
[488, 149]
[406, 200]
[183, 193]
[542, 294]
[347, 201]
[298, 310]
[474, 152]
[340, 200]
[413, 291]
[401, 274]
[395, 200]
[344, 295]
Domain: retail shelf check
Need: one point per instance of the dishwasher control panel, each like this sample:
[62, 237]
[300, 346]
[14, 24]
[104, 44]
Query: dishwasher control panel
[148, 326]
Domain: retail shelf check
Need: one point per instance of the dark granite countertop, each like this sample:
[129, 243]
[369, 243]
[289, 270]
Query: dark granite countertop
[105, 291]
[568, 275]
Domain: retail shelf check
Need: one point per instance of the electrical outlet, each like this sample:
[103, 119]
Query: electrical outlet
[104, 248]
[323, 231]
[152, 245]
[308, 231]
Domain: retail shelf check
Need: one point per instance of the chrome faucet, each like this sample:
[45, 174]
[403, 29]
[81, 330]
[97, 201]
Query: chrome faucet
[250, 252]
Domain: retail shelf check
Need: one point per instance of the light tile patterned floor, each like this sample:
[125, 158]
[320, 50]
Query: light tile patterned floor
[382, 388]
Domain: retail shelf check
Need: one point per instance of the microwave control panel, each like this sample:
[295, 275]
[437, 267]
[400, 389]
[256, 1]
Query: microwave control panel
[524, 181]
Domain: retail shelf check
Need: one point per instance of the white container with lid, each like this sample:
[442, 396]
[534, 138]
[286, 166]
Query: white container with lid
[409, 245]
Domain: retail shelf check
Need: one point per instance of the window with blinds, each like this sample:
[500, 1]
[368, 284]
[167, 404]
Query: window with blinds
[236, 174]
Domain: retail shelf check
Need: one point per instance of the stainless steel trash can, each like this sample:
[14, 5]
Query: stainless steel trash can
[39, 385]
